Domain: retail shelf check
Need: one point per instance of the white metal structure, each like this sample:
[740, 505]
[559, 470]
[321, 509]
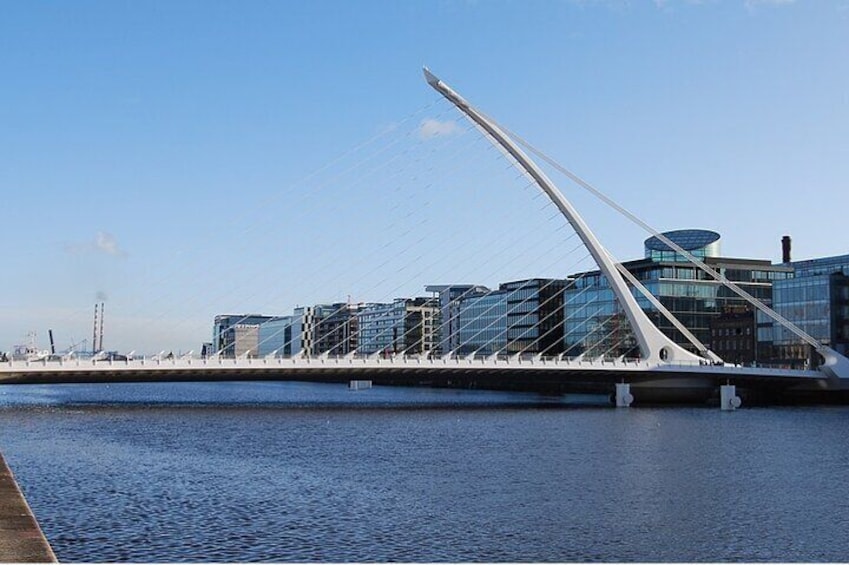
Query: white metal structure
[244, 368]
[655, 346]
[662, 359]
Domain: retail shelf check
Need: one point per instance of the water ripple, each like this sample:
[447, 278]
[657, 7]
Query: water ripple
[496, 480]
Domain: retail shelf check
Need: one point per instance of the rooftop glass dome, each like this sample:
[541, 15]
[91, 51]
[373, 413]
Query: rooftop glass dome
[701, 243]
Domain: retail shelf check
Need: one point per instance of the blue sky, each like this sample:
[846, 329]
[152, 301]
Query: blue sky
[141, 142]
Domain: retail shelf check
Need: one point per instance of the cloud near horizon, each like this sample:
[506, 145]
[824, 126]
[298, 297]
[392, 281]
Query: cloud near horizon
[104, 242]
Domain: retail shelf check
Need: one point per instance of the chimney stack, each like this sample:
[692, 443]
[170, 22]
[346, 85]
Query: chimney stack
[785, 249]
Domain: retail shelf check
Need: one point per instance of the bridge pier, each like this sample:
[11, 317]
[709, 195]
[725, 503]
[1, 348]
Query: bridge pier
[728, 399]
[624, 398]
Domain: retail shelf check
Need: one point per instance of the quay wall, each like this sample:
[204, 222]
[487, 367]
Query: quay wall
[21, 538]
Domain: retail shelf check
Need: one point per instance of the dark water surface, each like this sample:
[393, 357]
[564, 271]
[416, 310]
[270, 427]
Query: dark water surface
[299, 472]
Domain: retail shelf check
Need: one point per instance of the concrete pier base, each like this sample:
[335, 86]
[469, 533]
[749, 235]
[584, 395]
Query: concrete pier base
[728, 399]
[21, 539]
[624, 398]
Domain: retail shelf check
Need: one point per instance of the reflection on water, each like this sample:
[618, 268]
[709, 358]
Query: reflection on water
[305, 472]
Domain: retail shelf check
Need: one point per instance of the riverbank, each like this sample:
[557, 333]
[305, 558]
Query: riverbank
[21, 538]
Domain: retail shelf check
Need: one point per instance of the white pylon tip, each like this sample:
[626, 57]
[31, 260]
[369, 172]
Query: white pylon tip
[430, 77]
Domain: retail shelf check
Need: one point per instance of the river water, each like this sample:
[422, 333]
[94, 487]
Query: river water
[314, 472]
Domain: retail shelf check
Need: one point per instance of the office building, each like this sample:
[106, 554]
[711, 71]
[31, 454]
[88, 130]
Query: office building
[595, 325]
[336, 328]
[534, 316]
[450, 298]
[237, 335]
[275, 337]
[816, 299]
[480, 325]
[406, 325]
[324, 328]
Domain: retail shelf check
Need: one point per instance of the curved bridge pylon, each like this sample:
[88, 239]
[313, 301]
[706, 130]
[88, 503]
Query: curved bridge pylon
[655, 347]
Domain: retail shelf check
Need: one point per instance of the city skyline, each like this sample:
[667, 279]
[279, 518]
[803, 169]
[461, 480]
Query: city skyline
[137, 136]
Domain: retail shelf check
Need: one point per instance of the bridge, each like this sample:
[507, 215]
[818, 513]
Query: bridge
[662, 370]
[550, 375]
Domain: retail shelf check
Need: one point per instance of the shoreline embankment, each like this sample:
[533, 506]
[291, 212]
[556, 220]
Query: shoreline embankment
[21, 538]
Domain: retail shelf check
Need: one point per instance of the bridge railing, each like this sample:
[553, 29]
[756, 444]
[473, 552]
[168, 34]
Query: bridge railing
[524, 359]
[338, 362]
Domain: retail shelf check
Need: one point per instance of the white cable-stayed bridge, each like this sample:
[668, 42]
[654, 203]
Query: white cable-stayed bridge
[642, 363]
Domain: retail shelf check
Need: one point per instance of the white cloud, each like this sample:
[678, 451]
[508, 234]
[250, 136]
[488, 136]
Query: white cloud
[104, 242]
[431, 128]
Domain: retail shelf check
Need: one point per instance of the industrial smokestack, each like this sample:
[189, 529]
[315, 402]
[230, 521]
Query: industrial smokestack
[94, 332]
[102, 310]
[785, 249]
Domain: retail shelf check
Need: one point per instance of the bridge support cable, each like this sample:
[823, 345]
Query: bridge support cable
[836, 365]
[593, 348]
[449, 236]
[615, 328]
[511, 310]
[388, 259]
[513, 241]
[468, 293]
[537, 343]
[504, 248]
[313, 186]
[473, 339]
[164, 306]
[413, 329]
[583, 343]
[375, 172]
[703, 350]
[654, 345]
[408, 228]
[487, 262]
[483, 330]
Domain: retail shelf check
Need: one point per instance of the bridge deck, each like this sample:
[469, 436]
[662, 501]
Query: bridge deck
[499, 372]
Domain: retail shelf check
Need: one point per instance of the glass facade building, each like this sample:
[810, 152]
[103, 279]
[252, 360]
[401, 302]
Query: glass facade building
[596, 326]
[406, 325]
[450, 298]
[481, 324]
[698, 243]
[535, 316]
[275, 337]
[817, 300]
